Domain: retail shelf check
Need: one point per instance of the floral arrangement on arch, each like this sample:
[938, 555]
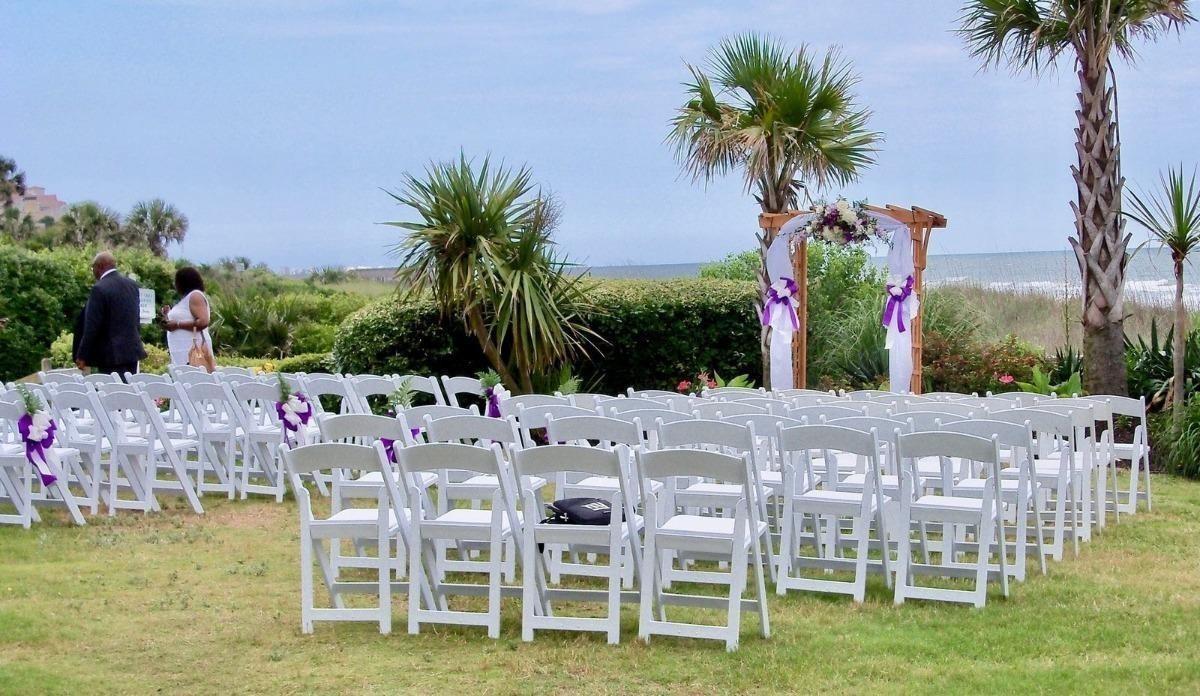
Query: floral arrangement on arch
[845, 223]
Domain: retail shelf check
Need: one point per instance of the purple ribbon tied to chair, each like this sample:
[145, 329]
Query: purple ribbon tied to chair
[37, 431]
[494, 396]
[389, 445]
[897, 295]
[781, 298]
[294, 414]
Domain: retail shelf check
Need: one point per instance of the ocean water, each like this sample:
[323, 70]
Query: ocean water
[1149, 276]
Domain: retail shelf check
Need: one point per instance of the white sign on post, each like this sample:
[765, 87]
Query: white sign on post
[146, 305]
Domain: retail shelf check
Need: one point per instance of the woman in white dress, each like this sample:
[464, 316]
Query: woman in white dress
[190, 316]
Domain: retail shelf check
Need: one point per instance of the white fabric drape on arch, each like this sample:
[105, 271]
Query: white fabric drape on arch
[779, 266]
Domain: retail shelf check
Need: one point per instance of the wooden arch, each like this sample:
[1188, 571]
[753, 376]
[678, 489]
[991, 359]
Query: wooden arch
[920, 222]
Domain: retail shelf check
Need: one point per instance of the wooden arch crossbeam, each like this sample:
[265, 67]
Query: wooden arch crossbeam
[920, 222]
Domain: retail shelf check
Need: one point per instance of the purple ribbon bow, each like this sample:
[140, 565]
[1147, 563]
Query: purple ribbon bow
[35, 450]
[389, 445]
[288, 426]
[775, 299]
[493, 402]
[895, 304]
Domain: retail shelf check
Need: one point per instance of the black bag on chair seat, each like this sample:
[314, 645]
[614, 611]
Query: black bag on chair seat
[578, 511]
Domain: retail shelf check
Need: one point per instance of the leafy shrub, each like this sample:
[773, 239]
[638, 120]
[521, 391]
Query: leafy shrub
[650, 334]
[306, 362]
[40, 297]
[960, 364]
[1174, 448]
[1151, 367]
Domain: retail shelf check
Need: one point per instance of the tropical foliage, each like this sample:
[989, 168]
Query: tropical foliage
[1172, 217]
[482, 249]
[155, 223]
[12, 181]
[1033, 35]
[786, 119]
[1151, 366]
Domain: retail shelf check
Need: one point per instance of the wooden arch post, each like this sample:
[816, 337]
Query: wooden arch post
[920, 223]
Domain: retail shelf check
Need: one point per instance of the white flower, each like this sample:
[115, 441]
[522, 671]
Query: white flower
[848, 215]
[829, 234]
[843, 205]
[895, 291]
[781, 288]
[39, 426]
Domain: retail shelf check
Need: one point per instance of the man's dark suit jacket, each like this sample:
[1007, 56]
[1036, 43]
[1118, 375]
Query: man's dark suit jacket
[111, 327]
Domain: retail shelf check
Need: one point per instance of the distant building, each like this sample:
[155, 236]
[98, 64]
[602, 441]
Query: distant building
[37, 204]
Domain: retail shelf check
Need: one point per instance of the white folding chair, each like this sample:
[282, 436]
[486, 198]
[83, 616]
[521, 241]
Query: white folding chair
[98, 378]
[618, 540]
[146, 378]
[531, 418]
[454, 386]
[1020, 494]
[227, 370]
[829, 507]
[56, 377]
[379, 524]
[332, 389]
[79, 417]
[621, 404]
[175, 371]
[512, 405]
[262, 433]
[139, 438]
[424, 385]
[22, 485]
[197, 376]
[364, 387]
[738, 539]
[720, 409]
[984, 514]
[816, 414]
[1136, 451]
[217, 422]
[463, 528]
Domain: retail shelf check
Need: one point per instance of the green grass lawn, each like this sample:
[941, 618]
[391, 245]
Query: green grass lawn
[184, 604]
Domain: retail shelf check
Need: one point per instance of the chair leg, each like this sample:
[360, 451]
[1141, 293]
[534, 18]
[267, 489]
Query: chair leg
[416, 583]
[496, 548]
[306, 582]
[737, 583]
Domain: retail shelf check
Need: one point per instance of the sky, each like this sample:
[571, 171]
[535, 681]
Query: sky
[277, 125]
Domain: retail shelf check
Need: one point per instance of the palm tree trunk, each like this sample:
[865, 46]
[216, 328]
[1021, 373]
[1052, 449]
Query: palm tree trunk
[1100, 243]
[1180, 342]
[490, 351]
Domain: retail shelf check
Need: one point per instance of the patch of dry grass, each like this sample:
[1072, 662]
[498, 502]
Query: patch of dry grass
[187, 604]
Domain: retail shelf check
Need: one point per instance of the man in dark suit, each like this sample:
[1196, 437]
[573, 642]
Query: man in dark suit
[112, 339]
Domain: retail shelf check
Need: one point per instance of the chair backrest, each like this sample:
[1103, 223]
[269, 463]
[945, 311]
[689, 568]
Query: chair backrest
[1124, 405]
[213, 404]
[1007, 434]
[991, 403]
[1044, 423]
[197, 376]
[72, 409]
[233, 379]
[588, 401]
[611, 431]
[884, 426]
[146, 378]
[631, 404]
[555, 459]
[779, 406]
[233, 370]
[328, 456]
[512, 405]
[941, 443]
[472, 428]
[692, 433]
[764, 425]
[102, 378]
[876, 409]
[946, 396]
[667, 463]
[114, 387]
[815, 414]
[929, 420]
[176, 370]
[649, 393]
[721, 409]
[73, 387]
[794, 393]
[453, 386]
[361, 426]
[930, 406]
[450, 455]
[255, 402]
[332, 388]
[718, 392]
[1024, 399]
[414, 418]
[679, 402]
[866, 394]
[365, 386]
[828, 436]
[424, 385]
[533, 417]
[60, 377]
[648, 417]
[132, 407]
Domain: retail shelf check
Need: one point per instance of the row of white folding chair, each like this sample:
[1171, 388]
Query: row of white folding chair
[20, 483]
[427, 529]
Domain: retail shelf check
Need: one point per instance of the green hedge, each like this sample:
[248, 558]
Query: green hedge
[654, 333]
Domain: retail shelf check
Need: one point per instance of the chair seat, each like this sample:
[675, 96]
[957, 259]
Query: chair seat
[426, 478]
[824, 496]
[1127, 450]
[353, 523]
[707, 527]
[976, 484]
[468, 519]
[491, 481]
[948, 502]
[731, 490]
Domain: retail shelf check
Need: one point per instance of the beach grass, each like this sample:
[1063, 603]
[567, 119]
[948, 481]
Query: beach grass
[177, 603]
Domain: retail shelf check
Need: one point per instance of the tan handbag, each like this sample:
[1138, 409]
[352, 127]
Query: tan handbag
[200, 355]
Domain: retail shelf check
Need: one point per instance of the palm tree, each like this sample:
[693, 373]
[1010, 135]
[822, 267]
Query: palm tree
[482, 250]
[156, 223]
[1032, 35]
[12, 181]
[786, 119]
[1172, 216]
[16, 226]
[90, 223]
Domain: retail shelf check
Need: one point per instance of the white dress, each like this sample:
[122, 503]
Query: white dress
[179, 341]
